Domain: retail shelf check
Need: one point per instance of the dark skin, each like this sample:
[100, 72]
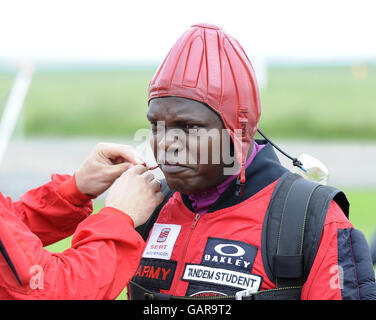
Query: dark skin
[186, 114]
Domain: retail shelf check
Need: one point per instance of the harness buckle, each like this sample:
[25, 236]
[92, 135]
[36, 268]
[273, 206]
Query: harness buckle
[244, 293]
[148, 296]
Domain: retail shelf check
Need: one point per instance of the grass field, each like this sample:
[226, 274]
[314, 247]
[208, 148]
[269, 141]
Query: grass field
[363, 210]
[315, 102]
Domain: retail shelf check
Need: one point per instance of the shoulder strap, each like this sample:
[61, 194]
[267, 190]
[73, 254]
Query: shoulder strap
[7, 259]
[292, 228]
[144, 229]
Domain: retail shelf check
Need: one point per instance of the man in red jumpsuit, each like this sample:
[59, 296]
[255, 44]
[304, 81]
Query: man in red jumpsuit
[207, 241]
[105, 247]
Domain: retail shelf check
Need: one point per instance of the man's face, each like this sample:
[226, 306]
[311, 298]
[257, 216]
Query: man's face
[187, 142]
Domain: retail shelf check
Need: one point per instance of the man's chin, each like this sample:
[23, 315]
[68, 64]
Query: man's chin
[181, 185]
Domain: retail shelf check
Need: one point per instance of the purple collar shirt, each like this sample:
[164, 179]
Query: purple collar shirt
[202, 201]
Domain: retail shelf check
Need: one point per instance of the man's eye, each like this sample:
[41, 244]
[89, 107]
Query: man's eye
[191, 126]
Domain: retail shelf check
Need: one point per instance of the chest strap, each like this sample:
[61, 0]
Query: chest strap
[138, 292]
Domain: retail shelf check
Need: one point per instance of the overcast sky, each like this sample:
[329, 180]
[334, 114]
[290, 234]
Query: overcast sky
[143, 31]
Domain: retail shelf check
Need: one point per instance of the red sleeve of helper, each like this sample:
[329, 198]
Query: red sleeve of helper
[104, 255]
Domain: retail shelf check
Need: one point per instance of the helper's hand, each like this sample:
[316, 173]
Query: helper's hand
[106, 163]
[136, 193]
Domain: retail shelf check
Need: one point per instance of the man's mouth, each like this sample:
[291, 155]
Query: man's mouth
[173, 168]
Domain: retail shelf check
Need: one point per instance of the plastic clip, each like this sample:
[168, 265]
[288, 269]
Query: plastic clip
[244, 293]
[239, 188]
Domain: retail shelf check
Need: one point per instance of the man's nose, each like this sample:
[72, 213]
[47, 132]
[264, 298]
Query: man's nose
[173, 141]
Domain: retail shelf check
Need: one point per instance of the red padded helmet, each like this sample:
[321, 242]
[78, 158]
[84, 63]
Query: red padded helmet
[208, 65]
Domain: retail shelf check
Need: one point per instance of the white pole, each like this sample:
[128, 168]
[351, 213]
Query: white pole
[14, 106]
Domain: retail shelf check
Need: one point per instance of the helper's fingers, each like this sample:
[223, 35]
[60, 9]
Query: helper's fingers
[159, 197]
[119, 153]
[148, 176]
[137, 169]
[117, 170]
[157, 185]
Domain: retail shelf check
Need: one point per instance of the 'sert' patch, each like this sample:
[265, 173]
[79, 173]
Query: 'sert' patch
[155, 273]
[161, 241]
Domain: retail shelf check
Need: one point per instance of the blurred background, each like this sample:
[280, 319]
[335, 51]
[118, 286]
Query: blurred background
[73, 73]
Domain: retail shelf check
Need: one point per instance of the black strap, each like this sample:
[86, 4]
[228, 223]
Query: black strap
[138, 292]
[289, 260]
[293, 226]
[7, 259]
[272, 222]
[291, 293]
[318, 207]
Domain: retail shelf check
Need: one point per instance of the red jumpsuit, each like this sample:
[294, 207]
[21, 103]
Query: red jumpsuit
[103, 257]
[200, 266]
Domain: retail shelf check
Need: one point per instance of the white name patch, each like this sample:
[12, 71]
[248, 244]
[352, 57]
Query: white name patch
[161, 241]
[224, 277]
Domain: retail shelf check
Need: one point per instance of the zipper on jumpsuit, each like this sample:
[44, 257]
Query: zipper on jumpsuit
[178, 274]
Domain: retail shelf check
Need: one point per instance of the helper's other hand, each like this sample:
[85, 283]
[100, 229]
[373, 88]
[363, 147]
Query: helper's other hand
[137, 193]
[106, 163]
